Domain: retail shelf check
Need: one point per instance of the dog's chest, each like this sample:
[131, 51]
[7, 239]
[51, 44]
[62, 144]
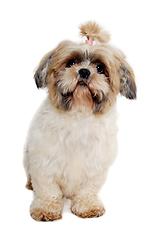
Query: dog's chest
[82, 148]
[79, 159]
[80, 136]
[78, 147]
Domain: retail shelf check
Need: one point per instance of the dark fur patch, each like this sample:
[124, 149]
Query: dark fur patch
[99, 104]
[41, 73]
[128, 87]
[66, 101]
[38, 80]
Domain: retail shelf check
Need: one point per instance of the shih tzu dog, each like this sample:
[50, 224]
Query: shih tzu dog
[72, 140]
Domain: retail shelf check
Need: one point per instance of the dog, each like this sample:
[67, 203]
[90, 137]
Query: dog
[72, 140]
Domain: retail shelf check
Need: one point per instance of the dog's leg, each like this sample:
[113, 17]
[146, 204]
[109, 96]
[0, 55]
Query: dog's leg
[47, 204]
[86, 204]
[27, 169]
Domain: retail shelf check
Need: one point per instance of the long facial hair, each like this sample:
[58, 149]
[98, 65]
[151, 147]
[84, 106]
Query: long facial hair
[68, 90]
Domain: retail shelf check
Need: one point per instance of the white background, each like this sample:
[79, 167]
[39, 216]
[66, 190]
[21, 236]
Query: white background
[131, 195]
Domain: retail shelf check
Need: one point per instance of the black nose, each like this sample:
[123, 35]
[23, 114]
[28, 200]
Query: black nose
[84, 73]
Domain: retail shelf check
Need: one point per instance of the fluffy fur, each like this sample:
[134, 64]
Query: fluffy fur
[72, 140]
[94, 32]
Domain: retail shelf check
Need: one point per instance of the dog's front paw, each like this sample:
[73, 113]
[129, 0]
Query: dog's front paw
[87, 207]
[46, 210]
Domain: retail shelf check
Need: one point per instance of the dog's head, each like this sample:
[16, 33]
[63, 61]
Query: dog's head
[86, 76]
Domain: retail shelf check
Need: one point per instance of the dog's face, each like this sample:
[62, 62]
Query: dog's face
[80, 76]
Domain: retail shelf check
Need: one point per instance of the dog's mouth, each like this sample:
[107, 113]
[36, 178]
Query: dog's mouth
[85, 95]
[70, 93]
[81, 83]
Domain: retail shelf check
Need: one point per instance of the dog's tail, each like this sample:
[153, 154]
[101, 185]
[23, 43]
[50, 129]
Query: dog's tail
[94, 32]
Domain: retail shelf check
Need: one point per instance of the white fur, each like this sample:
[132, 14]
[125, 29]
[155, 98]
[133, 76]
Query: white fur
[69, 153]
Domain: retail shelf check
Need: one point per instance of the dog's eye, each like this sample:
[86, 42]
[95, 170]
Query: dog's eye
[100, 68]
[70, 63]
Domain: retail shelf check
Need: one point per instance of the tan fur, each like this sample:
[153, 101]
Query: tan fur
[40, 214]
[66, 49]
[48, 212]
[87, 208]
[82, 97]
[93, 31]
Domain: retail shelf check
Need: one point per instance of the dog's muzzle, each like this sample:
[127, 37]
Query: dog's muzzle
[84, 74]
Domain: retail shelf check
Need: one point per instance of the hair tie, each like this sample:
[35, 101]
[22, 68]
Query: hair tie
[89, 42]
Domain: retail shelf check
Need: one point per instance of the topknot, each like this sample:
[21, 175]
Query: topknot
[94, 32]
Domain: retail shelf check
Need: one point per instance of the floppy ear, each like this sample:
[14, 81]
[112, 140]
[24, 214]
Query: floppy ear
[127, 82]
[41, 73]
